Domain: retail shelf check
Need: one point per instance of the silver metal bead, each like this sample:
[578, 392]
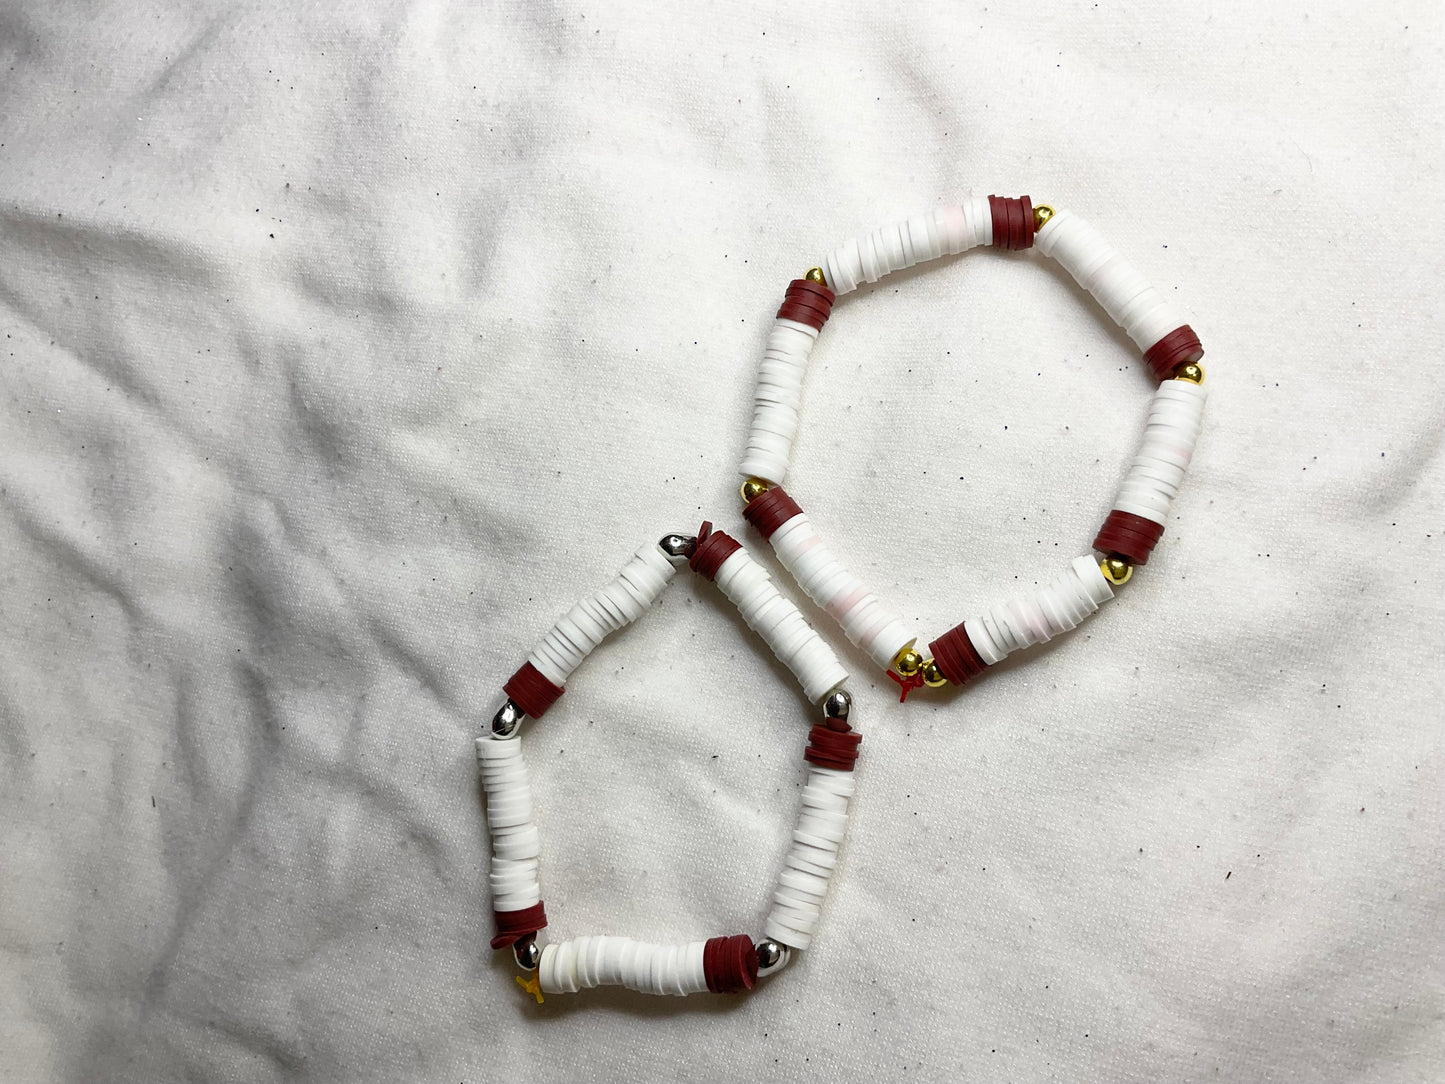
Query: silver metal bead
[773, 956]
[527, 954]
[678, 545]
[837, 704]
[508, 720]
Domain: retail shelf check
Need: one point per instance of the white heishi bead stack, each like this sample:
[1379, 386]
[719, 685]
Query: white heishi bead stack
[777, 400]
[515, 842]
[865, 620]
[944, 232]
[619, 603]
[773, 617]
[1156, 472]
[798, 900]
[586, 962]
[1042, 614]
[1137, 307]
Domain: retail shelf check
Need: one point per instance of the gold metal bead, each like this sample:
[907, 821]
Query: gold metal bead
[1042, 213]
[908, 662]
[815, 274]
[932, 675]
[1193, 372]
[753, 488]
[1116, 570]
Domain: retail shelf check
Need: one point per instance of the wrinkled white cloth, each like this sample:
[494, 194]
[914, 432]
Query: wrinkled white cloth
[347, 345]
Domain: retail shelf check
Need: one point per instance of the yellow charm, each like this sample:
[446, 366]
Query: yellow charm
[932, 675]
[1193, 372]
[815, 274]
[533, 986]
[1042, 213]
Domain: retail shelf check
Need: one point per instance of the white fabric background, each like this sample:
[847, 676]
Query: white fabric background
[346, 345]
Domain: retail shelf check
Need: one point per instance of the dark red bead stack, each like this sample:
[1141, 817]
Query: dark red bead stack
[713, 548]
[1129, 536]
[770, 510]
[807, 302]
[828, 748]
[531, 692]
[1178, 348]
[1013, 222]
[956, 657]
[512, 926]
[730, 964]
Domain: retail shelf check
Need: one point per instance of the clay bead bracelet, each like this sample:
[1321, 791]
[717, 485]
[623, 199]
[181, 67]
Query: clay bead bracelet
[727, 964]
[1170, 349]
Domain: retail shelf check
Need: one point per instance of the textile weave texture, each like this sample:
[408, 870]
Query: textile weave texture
[346, 345]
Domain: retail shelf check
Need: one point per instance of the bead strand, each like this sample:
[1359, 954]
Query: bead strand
[1155, 474]
[1028, 619]
[797, 644]
[946, 231]
[516, 894]
[722, 965]
[812, 855]
[575, 635]
[779, 394]
[865, 620]
[542, 679]
[1146, 315]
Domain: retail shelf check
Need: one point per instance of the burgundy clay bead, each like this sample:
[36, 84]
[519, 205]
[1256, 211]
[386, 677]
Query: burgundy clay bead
[512, 926]
[730, 964]
[713, 548]
[532, 692]
[829, 748]
[807, 302]
[1179, 347]
[770, 510]
[1129, 536]
[1013, 222]
[956, 657]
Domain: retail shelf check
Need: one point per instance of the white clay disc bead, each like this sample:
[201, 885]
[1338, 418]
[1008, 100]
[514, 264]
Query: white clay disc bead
[898, 245]
[515, 840]
[1143, 312]
[513, 884]
[778, 400]
[801, 863]
[584, 626]
[1155, 474]
[812, 856]
[864, 619]
[796, 644]
[809, 883]
[1041, 614]
[821, 798]
[585, 962]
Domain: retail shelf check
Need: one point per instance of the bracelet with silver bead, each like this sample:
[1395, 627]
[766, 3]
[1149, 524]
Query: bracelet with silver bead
[728, 964]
